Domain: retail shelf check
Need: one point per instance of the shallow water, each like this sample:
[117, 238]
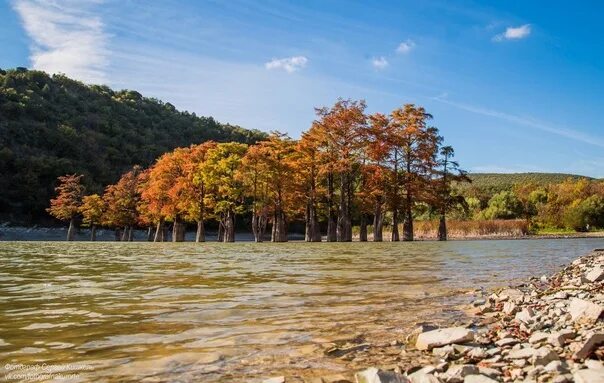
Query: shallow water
[230, 312]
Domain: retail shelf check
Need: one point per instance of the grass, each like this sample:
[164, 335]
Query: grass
[461, 229]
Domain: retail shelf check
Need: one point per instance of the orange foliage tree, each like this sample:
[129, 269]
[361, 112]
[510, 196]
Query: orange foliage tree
[66, 205]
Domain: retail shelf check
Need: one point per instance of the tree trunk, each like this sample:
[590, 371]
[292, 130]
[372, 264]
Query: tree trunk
[378, 221]
[332, 215]
[178, 230]
[408, 225]
[125, 234]
[200, 235]
[442, 228]
[395, 236]
[118, 235]
[93, 232]
[344, 230]
[279, 232]
[130, 234]
[159, 231]
[363, 228]
[71, 230]
[220, 237]
[229, 227]
[312, 230]
[150, 234]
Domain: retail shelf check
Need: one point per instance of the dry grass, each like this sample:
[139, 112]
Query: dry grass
[473, 229]
[463, 229]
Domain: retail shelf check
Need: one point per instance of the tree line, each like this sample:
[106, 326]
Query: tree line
[348, 168]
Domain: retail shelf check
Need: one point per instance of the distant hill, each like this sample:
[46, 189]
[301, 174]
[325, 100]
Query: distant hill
[507, 180]
[53, 125]
[485, 185]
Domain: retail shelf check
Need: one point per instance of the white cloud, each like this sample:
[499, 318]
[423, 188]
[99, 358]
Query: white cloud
[405, 47]
[379, 62]
[289, 64]
[66, 38]
[514, 33]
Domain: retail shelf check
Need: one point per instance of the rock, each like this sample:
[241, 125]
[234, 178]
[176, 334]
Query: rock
[490, 372]
[584, 311]
[592, 363]
[477, 353]
[596, 274]
[522, 353]
[561, 295]
[538, 337]
[457, 372]
[554, 366]
[543, 356]
[444, 351]
[422, 377]
[558, 339]
[441, 337]
[589, 376]
[479, 302]
[589, 345]
[373, 375]
[276, 379]
[506, 342]
[510, 308]
[510, 294]
[478, 379]
[335, 378]
[526, 315]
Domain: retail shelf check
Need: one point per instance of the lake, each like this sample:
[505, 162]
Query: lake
[218, 312]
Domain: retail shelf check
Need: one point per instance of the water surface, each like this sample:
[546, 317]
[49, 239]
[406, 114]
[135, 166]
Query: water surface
[243, 311]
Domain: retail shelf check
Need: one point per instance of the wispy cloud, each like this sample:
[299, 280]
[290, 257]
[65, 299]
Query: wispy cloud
[514, 33]
[66, 37]
[525, 121]
[288, 64]
[379, 63]
[405, 47]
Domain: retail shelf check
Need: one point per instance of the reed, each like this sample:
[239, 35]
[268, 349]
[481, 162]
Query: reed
[463, 229]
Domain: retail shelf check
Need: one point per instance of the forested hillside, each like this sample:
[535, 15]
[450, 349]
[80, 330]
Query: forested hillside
[504, 181]
[53, 125]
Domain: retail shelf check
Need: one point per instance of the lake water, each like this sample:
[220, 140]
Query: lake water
[236, 312]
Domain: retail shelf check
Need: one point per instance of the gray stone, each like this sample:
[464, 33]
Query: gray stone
[538, 337]
[523, 353]
[596, 274]
[373, 375]
[510, 308]
[543, 356]
[589, 376]
[444, 351]
[584, 311]
[555, 366]
[422, 377]
[592, 363]
[506, 342]
[457, 372]
[593, 340]
[490, 372]
[478, 379]
[526, 315]
[276, 379]
[441, 337]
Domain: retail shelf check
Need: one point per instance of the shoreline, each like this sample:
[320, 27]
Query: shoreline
[546, 329]
[37, 233]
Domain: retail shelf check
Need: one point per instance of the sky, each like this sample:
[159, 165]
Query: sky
[514, 86]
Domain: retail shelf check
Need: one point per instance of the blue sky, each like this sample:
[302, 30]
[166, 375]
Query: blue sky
[513, 85]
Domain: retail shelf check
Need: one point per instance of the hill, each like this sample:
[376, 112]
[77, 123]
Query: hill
[53, 125]
[505, 181]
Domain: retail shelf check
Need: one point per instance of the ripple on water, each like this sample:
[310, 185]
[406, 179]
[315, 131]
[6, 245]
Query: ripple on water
[215, 312]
